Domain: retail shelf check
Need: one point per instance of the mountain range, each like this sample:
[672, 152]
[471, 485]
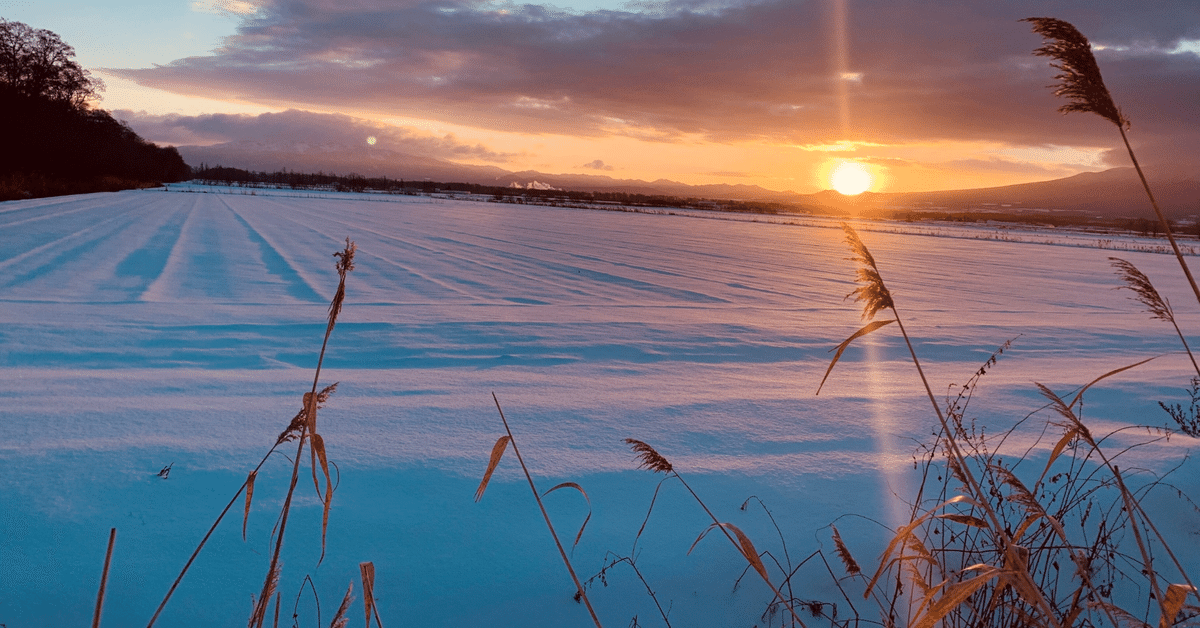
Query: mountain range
[1111, 193]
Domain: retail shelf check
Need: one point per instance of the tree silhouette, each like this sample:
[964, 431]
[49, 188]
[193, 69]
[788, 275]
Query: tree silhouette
[37, 63]
[54, 143]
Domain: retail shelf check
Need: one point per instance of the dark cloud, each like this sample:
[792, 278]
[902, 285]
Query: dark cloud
[596, 165]
[727, 70]
[301, 131]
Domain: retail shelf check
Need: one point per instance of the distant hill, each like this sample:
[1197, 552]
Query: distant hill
[368, 162]
[375, 162]
[1112, 193]
[1115, 193]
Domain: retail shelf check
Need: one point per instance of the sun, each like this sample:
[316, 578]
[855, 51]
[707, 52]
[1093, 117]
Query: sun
[850, 178]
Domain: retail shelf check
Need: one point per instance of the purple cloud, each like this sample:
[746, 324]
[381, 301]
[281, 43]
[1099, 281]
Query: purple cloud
[301, 131]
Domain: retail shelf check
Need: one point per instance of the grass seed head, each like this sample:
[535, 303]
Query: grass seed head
[1080, 80]
[649, 458]
[1140, 284]
[339, 618]
[843, 553]
[345, 264]
[873, 292]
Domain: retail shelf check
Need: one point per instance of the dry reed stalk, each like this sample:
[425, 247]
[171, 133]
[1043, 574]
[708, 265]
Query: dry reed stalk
[345, 264]
[174, 585]
[297, 429]
[650, 459]
[1148, 296]
[112, 538]
[497, 452]
[876, 297]
[339, 618]
[1082, 84]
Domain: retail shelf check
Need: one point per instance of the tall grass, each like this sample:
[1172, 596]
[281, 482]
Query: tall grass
[991, 545]
[303, 430]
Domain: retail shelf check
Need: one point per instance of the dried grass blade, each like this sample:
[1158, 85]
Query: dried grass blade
[497, 453]
[1172, 603]
[745, 547]
[585, 496]
[249, 497]
[1079, 395]
[954, 595]
[1057, 451]
[1016, 573]
[870, 327]
[1024, 527]
[649, 510]
[843, 553]
[317, 443]
[310, 411]
[367, 570]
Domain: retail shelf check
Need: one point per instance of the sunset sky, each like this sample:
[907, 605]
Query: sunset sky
[940, 94]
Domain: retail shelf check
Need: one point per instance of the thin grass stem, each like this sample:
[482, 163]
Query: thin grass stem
[204, 540]
[546, 516]
[1161, 218]
[738, 546]
[112, 538]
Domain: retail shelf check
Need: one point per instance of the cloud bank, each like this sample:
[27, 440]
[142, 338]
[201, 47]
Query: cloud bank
[302, 131]
[727, 71]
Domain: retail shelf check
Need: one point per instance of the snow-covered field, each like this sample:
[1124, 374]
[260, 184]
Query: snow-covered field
[141, 329]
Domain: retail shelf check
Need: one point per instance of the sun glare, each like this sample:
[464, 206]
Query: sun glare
[850, 178]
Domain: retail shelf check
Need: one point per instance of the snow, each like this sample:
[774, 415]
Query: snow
[145, 328]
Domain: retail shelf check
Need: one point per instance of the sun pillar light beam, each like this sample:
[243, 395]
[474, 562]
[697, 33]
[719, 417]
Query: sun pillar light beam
[841, 62]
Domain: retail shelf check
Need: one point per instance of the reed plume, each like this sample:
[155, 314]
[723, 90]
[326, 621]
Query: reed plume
[302, 427]
[1147, 295]
[1080, 81]
[872, 291]
[648, 458]
[1083, 86]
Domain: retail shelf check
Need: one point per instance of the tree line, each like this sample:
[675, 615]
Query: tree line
[56, 142]
[216, 175]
